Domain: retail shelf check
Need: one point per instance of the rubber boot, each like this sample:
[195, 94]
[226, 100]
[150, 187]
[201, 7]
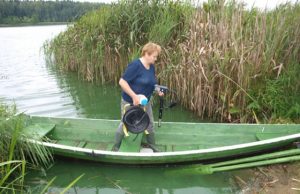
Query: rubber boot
[118, 141]
[151, 142]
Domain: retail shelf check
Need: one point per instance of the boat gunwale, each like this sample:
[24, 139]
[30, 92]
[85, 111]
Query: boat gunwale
[169, 122]
[164, 154]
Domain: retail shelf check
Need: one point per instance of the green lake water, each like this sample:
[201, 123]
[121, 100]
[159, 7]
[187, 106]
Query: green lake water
[39, 89]
[103, 178]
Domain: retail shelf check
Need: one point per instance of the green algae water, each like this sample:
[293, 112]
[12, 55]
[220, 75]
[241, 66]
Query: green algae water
[97, 101]
[41, 89]
[102, 178]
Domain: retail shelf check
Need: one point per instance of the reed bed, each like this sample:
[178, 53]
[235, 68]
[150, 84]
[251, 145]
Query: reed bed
[16, 154]
[226, 63]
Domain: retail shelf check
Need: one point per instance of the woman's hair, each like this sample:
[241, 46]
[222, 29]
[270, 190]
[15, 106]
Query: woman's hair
[150, 48]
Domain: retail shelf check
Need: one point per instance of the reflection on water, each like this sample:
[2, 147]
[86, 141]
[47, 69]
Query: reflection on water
[27, 80]
[39, 89]
[100, 178]
[94, 101]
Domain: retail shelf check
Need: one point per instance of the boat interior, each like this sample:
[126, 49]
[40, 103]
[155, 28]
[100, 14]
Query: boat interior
[99, 134]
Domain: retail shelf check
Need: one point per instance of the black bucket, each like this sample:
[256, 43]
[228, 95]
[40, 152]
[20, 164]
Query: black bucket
[136, 119]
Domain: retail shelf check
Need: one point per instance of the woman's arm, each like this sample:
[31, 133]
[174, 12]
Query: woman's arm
[126, 88]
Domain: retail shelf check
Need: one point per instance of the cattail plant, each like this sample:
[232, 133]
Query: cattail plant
[222, 59]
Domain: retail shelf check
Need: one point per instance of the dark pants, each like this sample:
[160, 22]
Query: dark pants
[120, 133]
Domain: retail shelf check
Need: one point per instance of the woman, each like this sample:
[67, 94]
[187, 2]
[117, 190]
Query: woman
[139, 79]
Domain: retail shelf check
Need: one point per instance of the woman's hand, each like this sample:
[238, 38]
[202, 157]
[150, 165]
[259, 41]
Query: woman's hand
[161, 93]
[135, 100]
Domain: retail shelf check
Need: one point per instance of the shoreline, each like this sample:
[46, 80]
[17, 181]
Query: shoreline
[35, 24]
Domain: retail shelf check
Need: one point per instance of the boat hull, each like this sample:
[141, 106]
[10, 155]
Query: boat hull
[91, 139]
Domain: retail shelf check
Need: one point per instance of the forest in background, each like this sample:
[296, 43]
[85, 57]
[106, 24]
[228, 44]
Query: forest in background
[31, 12]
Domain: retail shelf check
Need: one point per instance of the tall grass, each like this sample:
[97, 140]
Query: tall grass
[232, 55]
[16, 154]
[102, 42]
[226, 63]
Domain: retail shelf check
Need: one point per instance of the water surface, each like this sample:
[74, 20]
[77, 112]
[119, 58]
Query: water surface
[40, 89]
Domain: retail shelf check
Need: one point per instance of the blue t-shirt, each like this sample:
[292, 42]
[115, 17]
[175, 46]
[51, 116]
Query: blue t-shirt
[140, 79]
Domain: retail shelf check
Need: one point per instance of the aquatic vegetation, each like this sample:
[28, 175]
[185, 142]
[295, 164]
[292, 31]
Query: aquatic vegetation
[226, 63]
[16, 154]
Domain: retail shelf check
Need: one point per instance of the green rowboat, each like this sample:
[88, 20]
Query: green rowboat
[92, 139]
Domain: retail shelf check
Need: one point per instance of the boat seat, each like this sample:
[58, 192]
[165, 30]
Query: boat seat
[81, 144]
[131, 143]
[146, 150]
[38, 130]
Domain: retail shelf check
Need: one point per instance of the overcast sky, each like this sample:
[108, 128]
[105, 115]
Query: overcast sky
[258, 3]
